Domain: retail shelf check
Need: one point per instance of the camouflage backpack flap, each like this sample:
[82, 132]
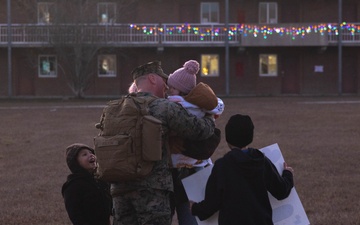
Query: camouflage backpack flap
[122, 147]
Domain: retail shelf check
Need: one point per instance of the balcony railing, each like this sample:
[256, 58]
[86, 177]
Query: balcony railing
[179, 34]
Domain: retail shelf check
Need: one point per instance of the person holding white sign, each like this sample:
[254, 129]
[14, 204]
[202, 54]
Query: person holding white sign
[239, 182]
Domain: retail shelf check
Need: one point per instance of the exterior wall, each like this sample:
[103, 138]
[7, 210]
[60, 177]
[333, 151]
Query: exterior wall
[3, 72]
[296, 65]
[244, 76]
[187, 11]
[3, 9]
[26, 81]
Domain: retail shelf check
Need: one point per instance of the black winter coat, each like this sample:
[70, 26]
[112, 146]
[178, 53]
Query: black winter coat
[238, 188]
[87, 200]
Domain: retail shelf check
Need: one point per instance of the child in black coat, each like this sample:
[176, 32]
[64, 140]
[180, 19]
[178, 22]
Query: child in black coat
[239, 182]
[87, 200]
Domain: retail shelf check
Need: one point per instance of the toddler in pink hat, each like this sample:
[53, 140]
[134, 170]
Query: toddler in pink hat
[198, 99]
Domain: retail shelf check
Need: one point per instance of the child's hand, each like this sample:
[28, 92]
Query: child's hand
[286, 167]
[191, 204]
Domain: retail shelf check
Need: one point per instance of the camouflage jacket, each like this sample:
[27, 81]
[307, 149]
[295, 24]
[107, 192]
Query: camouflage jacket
[174, 118]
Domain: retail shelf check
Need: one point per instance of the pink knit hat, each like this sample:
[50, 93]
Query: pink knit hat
[184, 79]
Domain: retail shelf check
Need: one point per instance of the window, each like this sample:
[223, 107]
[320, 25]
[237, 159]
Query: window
[268, 65]
[107, 65]
[209, 12]
[268, 12]
[106, 12]
[46, 11]
[210, 65]
[47, 66]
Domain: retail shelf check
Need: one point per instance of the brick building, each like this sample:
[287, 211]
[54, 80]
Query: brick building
[279, 47]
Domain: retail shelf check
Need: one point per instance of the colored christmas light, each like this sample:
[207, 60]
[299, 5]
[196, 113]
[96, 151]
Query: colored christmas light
[247, 30]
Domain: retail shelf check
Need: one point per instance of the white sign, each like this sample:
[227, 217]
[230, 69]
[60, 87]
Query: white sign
[195, 189]
[285, 212]
[319, 69]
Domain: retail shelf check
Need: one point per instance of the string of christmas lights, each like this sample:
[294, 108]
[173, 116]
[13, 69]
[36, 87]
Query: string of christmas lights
[246, 30]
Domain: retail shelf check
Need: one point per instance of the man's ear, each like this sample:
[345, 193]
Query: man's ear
[152, 78]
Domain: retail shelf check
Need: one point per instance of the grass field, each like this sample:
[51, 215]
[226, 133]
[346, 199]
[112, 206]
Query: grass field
[319, 137]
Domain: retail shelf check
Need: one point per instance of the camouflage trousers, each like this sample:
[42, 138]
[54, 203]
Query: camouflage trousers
[142, 207]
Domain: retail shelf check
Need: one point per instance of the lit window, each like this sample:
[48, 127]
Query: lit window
[47, 66]
[209, 12]
[210, 65]
[268, 65]
[107, 65]
[106, 12]
[45, 12]
[268, 12]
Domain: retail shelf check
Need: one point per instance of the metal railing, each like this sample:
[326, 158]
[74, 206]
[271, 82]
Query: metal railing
[350, 33]
[150, 34]
[195, 33]
[119, 34]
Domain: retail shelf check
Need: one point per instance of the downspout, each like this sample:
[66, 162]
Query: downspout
[9, 47]
[227, 73]
[340, 48]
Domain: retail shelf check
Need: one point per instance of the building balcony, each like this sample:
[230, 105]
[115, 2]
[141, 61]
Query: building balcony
[179, 35]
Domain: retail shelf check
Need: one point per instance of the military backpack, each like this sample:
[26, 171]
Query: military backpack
[129, 141]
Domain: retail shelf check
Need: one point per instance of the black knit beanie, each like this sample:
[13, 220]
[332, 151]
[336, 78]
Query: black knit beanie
[239, 130]
[72, 152]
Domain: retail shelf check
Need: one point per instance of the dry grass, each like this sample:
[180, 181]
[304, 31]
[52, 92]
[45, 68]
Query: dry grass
[319, 138]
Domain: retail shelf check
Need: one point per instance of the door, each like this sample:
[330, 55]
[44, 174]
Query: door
[290, 82]
[349, 74]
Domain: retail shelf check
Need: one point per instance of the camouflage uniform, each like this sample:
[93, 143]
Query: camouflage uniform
[147, 201]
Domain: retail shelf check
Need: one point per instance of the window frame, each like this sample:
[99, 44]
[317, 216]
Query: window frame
[210, 5]
[108, 6]
[50, 7]
[269, 19]
[216, 67]
[104, 56]
[52, 74]
[274, 74]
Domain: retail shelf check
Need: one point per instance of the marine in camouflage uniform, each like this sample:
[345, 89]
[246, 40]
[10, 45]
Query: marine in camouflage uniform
[147, 201]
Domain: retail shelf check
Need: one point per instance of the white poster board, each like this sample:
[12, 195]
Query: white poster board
[285, 212]
[195, 189]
